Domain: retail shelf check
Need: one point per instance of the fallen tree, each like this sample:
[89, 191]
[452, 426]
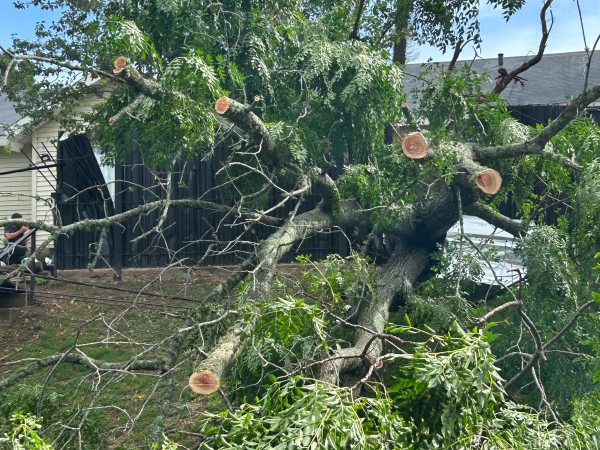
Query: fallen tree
[315, 126]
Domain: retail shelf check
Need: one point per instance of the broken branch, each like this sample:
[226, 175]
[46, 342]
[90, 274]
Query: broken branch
[242, 116]
[207, 377]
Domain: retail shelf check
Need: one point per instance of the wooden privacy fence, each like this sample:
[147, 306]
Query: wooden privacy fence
[188, 233]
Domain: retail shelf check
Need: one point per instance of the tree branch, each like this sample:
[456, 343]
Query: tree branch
[242, 116]
[58, 63]
[416, 146]
[539, 353]
[536, 145]
[460, 45]
[359, 11]
[504, 81]
[483, 319]
[127, 110]
[82, 359]
[397, 277]
[207, 377]
[487, 213]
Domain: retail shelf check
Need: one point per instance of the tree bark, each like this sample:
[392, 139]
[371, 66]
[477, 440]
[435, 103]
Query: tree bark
[207, 377]
[416, 234]
[242, 116]
[395, 278]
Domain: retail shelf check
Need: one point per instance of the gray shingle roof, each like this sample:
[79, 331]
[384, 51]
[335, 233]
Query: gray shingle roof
[8, 115]
[556, 79]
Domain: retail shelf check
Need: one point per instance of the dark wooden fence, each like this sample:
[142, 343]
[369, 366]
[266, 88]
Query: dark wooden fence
[536, 114]
[188, 233]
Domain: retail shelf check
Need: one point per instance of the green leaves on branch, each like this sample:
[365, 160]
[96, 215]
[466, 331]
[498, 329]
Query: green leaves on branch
[450, 387]
[25, 433]
[446, 393]
[305, 414]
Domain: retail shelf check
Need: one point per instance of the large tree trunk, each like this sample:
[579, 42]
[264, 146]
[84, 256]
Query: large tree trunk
[418, 231]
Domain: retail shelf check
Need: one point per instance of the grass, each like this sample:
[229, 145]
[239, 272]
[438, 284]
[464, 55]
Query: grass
[117, 409]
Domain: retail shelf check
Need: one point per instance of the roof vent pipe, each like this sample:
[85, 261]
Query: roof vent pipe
[500, 59]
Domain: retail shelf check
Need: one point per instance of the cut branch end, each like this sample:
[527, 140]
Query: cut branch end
[489, 181]
[120, 64]
[414, 146]
[204, 382]
[222, 105]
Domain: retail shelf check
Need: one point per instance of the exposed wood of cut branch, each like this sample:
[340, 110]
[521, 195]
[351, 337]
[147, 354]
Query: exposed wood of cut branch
[120, 64]
[415, 146]
[243, 117]
[489, 181]
[125, 72]
[208, 374]
[204, 382]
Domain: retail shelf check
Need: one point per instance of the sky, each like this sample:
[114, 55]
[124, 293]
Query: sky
[18, 21]
[520, 36]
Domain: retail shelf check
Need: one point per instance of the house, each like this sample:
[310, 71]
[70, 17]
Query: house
[29, 167]
[16, 187]
[542, 91]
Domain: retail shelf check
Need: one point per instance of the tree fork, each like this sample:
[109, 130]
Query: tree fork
[489, 181]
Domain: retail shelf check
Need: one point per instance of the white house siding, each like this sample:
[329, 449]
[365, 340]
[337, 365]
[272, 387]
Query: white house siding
[44, 140]
[488, 237]
[15, 189]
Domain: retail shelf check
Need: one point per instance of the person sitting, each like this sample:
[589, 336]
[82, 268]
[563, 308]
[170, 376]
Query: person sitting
[12, 234]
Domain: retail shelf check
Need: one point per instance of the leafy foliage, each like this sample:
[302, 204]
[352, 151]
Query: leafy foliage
[25, 434]
[337, 420]
[446, 393]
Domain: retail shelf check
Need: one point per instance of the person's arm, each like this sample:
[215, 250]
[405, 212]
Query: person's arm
[15, 234]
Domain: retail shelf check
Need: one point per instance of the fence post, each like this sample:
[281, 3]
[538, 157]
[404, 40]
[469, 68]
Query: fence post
[116, 228]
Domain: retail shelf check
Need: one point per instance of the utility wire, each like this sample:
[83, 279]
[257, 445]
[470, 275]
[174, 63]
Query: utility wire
[115, 288]
[93, 299]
